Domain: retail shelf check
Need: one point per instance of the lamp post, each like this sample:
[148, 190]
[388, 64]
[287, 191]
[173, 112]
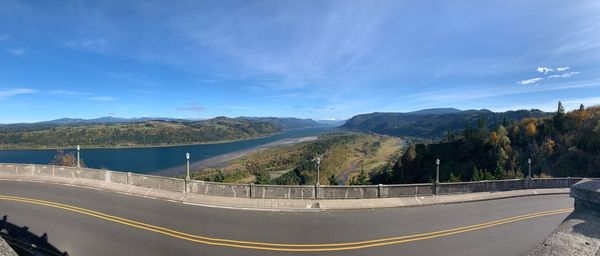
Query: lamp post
[437, 175]
[318, 170]
[78, 162]
[187, 169]
[529, 162]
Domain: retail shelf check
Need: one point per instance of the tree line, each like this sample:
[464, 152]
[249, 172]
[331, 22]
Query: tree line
[561, 145]
[149, 133]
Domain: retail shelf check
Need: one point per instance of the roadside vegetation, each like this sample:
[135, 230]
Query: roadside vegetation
[66, 159]
[346, 158]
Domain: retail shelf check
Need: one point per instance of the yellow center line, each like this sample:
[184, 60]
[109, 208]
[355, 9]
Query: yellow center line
[278, 246]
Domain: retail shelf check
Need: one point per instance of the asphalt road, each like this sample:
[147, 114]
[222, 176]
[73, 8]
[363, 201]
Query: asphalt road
[195, 230]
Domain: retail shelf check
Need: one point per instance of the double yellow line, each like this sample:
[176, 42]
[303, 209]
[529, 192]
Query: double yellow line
[279, 246]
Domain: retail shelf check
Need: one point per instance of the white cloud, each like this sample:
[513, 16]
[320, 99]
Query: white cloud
[530, 81]
[4, 93]
[547, 70]
[102, 98]
[16, 51]
[568, 74]
[544, 70]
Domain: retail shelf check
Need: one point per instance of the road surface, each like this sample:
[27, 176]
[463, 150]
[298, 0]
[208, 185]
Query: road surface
[84, 221]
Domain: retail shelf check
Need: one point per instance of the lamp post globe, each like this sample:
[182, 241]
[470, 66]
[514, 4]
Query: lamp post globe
[529, 163]
[78, 162]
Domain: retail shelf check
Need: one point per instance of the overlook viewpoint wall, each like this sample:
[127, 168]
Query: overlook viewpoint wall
[277, 191]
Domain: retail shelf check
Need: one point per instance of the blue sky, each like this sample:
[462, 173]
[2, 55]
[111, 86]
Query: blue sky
[312, 59]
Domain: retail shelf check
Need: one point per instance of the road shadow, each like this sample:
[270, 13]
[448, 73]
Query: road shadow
[589, 223]
[25, 243]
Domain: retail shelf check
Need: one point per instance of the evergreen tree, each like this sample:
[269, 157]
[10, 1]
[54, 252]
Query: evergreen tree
[487, 175]
[453, 178]
[332, 180]
[411, 153]
[263, 177]
[467, 132]
[476, 175]
[361, 179]
[559, 117]
[219, 177]
[500, 173]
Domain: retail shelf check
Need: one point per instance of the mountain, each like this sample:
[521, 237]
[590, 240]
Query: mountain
[104, 120]
[133, 134]
[435, 111]
[279, 122]
[285, 122]
[334, 123]
[432, 123]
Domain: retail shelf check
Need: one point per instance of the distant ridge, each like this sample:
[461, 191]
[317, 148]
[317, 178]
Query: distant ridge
[435, 111]
[106, 119]
[279, 122]
[285, 122]
[432, 123]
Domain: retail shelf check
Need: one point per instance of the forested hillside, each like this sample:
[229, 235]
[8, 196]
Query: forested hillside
[148, 133]
[431, 123]
[561, 145]
[285, 122]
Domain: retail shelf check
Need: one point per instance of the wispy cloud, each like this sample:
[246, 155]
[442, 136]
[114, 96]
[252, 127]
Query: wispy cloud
[530, 81]
[95, 45]
[102, 98]
[568, 74]
[341, 43]
[4, 37]
[192, 108]
[16, 51]
[457, 95]
[68, 93]
[5, 93]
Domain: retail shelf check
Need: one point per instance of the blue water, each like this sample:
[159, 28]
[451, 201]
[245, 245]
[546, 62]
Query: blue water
[148, 160]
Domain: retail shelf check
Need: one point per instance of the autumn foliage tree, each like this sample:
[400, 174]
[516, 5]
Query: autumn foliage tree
[566, 144]
[66, 159]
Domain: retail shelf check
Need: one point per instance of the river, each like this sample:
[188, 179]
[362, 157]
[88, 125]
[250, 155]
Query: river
[154, 159]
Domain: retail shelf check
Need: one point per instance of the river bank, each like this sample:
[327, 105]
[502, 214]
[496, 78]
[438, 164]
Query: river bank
[222, 160]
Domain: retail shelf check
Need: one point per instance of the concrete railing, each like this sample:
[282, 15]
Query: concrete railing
[282, 192]
[587, 194]
[579, 233]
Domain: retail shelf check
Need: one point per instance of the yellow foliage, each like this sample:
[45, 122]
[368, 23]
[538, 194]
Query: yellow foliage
[531, 129]
[494, 138]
